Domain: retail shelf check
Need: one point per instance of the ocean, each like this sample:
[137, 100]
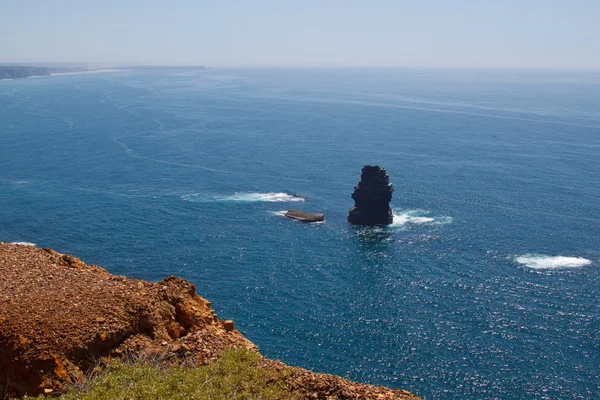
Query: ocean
[487, 285]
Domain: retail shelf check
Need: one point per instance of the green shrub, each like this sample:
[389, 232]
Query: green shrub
[236, 375]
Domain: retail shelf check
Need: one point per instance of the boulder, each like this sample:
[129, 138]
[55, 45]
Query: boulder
[372, 198]
[228, 325]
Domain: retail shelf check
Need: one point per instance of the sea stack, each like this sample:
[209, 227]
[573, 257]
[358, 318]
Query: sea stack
[372, 198]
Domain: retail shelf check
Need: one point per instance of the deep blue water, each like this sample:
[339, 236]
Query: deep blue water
[497, 173]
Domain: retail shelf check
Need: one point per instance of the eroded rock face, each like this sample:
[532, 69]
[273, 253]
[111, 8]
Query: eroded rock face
[372, 198]
[58, 316]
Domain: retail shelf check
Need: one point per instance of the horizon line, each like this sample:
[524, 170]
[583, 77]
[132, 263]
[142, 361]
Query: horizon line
[298, 66]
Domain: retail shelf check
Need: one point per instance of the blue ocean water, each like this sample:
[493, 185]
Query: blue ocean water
[486, 286]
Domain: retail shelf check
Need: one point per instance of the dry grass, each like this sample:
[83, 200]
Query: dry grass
[236, 375]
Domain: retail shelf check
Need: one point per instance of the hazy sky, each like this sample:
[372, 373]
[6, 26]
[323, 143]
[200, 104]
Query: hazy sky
[494, 33]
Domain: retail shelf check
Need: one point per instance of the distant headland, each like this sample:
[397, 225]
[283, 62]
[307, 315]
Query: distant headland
[15, 71]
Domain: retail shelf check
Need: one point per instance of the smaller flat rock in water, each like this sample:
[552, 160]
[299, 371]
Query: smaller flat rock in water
[304, 216]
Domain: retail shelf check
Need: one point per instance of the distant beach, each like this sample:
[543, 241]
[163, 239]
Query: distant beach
[11, 72]
[93, 71]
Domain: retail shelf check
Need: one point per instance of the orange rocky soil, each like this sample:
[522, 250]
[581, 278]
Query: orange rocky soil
[60, 317]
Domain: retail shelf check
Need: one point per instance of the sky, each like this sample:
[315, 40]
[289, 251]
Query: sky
[304, 33]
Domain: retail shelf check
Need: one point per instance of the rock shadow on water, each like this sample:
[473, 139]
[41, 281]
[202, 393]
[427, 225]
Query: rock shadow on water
[373, 239]
[373, 261]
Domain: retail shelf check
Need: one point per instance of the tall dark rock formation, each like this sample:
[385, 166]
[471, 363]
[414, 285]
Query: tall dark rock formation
[372, 198]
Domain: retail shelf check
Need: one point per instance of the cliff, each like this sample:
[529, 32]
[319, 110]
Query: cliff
[59, 317]
[14, 72]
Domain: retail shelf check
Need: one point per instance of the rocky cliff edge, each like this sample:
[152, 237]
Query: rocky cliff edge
[59, 317]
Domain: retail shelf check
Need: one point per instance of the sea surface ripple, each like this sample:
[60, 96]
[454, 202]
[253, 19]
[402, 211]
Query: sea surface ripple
[487, 285]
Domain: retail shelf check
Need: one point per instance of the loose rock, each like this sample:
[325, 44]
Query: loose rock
[228, 325]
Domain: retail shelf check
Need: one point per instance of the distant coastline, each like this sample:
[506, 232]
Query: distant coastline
[16, 72]
[9, 72]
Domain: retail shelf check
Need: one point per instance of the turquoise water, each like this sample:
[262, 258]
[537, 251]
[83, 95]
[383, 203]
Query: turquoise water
[486, 286]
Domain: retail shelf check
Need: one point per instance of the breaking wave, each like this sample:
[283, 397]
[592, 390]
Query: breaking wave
[248, 197]
[280, 213]
[541, 261]
[266, 197]
[417, 217]
[24, 243]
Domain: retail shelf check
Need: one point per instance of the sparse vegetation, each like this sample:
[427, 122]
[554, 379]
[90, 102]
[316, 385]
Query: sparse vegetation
[236, 375]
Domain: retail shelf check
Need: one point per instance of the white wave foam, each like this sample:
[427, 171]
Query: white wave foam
[421, 220]
[541, 261]
[270, 197]
[266, 197]
[24, 243]
[279, 213]
[417, 217]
